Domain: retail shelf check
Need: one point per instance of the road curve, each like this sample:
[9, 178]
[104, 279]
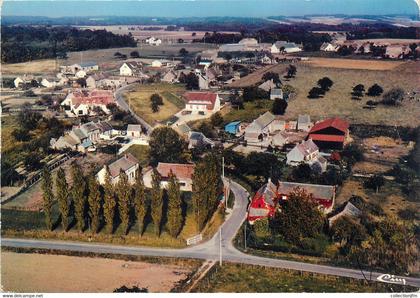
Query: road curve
[119, 98]
[206, 250]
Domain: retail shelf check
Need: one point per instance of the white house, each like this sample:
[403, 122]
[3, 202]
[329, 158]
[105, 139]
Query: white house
[260, 128]
[153, 41]
[84, 102]
[169, 77]
[202, 102]
[306, 152]
[87, 67]
[183, 173]
[248, 41]
[134, 131]
[276, 93]
[80, 74]
[284, 46]
[304, 123]
[157, 63]
[131, 68]
[329, 47]
[127, 163]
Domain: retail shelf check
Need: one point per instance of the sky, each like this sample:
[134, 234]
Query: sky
[206, 8]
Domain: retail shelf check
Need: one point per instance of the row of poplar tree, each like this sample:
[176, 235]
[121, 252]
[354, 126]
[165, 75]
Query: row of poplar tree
[88, 202]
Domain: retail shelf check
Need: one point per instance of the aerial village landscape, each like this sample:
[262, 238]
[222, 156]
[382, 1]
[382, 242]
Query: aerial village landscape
[221, 155]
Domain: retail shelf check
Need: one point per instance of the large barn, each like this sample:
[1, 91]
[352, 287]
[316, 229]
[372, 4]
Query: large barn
[330, 134]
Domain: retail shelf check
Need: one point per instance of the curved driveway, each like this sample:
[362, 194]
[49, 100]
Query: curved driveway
[207, 250]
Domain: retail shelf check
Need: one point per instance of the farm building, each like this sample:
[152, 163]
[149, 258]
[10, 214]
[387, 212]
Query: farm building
[233, 127]
[330, 134]
[270, 197]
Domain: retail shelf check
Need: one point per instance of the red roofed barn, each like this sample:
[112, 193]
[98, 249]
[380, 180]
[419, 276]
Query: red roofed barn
[204, 102]
[330, 134]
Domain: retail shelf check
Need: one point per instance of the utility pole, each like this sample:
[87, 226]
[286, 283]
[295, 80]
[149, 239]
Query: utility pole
[220, 247]
[245, 236]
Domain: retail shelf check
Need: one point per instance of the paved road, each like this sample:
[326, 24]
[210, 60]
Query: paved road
[207, 250]
[121, 102]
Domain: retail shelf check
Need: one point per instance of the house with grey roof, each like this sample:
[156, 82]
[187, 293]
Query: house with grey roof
[307, 152]
[304, 123]
[267, 85]
[259, 129]
[349, 210]
[134, 131]
[276, 93]
[198, 140]
[126, 163]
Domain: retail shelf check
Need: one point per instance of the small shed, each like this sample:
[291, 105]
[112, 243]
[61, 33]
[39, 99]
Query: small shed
[233, 127]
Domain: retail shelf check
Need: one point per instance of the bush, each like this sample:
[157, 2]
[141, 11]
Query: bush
[279, 106]
[393, 97]
[375, 90]
[29, 93]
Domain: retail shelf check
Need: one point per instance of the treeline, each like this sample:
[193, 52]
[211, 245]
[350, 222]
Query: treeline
[25, 43]
[120, 205]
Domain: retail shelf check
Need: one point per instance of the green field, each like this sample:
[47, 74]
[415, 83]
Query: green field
[250, 111]
[139, 100]
[20, 223]
[140, 152]
[241, 278]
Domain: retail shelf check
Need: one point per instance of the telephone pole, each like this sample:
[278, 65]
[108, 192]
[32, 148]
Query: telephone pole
[220, 247]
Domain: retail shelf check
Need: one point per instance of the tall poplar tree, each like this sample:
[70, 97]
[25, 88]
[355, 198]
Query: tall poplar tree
[123, 193]
[47, 196]
[206, 189]
[63, 198]
[174, 222]
[94, 200]
[156, 201]
[140, 200]
[78, 192]
[199, 197]
[109, 202]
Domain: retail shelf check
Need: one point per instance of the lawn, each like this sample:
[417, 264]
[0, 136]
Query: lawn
[8, 125]
[250, 111]
[338, 102]
[241, 278]
[139, 100]
[141, 152]
[20, 223]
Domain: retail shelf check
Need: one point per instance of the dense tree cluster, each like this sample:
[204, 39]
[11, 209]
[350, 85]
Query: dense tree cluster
[207, 187]
[25, 43]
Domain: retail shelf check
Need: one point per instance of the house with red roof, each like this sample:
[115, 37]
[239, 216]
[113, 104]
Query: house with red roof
[331, 133]
[202, 102]
[85, 102]
[183, 173]
[270, 197]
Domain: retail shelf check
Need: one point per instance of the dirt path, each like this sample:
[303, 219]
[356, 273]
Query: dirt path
[55, 273]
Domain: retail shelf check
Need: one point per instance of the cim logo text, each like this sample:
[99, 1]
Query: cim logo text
[391, 279]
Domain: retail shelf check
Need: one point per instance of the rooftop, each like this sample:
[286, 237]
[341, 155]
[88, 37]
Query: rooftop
[126, 162]
[181, 171]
